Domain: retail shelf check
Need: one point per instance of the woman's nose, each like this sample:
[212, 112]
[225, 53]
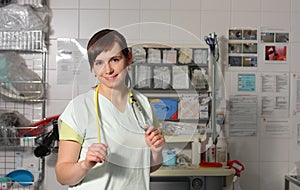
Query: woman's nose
[108, 68]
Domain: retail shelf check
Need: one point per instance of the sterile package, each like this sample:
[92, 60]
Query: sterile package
[162, 77]
[180, 77]
[143, 79]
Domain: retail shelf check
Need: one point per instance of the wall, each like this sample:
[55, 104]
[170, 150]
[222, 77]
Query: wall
[178, 21]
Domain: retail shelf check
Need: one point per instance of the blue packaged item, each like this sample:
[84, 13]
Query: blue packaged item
[169, 157]
[165, 108]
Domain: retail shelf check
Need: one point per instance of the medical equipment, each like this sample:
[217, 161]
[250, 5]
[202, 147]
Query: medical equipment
[48, 143]
[135, 104]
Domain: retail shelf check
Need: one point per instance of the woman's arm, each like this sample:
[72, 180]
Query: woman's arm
[155, 141]
[68, 170]
[156, 161]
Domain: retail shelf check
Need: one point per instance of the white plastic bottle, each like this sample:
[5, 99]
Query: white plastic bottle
[196, 152]
[221, 149]
[210, 150]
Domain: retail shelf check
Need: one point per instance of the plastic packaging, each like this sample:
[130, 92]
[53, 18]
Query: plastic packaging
[19, 17]
[196, 152]
[169, 157]
[18, 82]
[221, 149]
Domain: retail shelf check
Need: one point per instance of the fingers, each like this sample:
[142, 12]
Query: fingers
[154, 137]
[97, 152]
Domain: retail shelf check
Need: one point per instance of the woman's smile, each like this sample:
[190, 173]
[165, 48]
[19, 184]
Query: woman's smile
[111, 78]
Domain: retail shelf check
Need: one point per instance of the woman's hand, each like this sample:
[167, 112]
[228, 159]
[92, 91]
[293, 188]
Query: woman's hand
[71, 172]
[154, 138]
[97, 152]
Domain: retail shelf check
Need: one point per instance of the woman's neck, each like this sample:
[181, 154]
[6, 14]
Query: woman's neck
[111, 93]
[118, 96]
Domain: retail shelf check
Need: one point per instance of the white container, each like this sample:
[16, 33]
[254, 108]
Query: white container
[27, 141]
[221, 150]
[196, 152]
[210, 151]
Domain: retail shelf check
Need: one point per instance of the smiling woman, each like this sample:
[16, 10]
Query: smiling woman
[100, 135]
[109, 67]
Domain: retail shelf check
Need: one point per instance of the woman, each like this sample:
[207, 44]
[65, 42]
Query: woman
[107, 137]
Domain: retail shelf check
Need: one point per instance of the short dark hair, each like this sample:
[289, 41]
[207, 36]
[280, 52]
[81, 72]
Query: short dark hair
[103, 41]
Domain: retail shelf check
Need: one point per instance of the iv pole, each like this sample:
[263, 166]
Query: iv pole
[212, 41]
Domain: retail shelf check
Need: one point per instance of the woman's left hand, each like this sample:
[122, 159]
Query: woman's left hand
[154, 138]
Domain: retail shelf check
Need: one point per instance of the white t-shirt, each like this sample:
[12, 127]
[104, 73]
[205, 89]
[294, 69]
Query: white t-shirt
[128, 160]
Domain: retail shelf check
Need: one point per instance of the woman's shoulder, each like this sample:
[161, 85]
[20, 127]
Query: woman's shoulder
[140, 97]
[80, 103]
[83, 98]
[138, 94]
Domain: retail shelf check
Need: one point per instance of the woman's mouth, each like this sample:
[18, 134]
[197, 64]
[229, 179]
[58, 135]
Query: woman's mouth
[111, 78]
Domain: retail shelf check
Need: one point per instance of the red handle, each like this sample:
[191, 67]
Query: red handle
[38, 127]
[237, 165]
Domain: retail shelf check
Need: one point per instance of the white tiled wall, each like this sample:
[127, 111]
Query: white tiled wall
[67, 4]
[91, 20]
[187, 6]
[179, 21]
[295, 37]
[276, 5]
[215, 5]
[245, 5]
[65, 23]
[94, 4]
[239, 18]
[155, 5]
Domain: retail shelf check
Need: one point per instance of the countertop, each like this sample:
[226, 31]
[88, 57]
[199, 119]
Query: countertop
[201, 171]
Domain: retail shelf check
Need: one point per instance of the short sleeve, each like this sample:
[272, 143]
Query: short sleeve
[67, 133]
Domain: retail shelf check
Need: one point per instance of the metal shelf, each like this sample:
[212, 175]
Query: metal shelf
[32, 40]
[28, 101]
[181, 138]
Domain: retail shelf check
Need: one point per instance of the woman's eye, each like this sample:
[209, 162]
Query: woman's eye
[97, 62]
[115, 60]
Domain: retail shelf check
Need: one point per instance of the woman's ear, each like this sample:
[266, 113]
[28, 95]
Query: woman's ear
[129, 58]
[93, 71]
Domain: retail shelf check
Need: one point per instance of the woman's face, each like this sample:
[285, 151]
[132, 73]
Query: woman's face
[110, 67]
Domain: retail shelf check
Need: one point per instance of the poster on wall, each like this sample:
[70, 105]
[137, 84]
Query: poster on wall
[246, 82]
[274, 127]
[242, 48]
[295, 136]
[275, 53]
[274, 49]
[242, 115]
[295, 93]
[298, 134]
[72, 63]
[274, 37]
[274, 96]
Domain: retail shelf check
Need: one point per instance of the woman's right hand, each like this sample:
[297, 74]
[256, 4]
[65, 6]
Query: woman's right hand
[97, 152]
[70, 171]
